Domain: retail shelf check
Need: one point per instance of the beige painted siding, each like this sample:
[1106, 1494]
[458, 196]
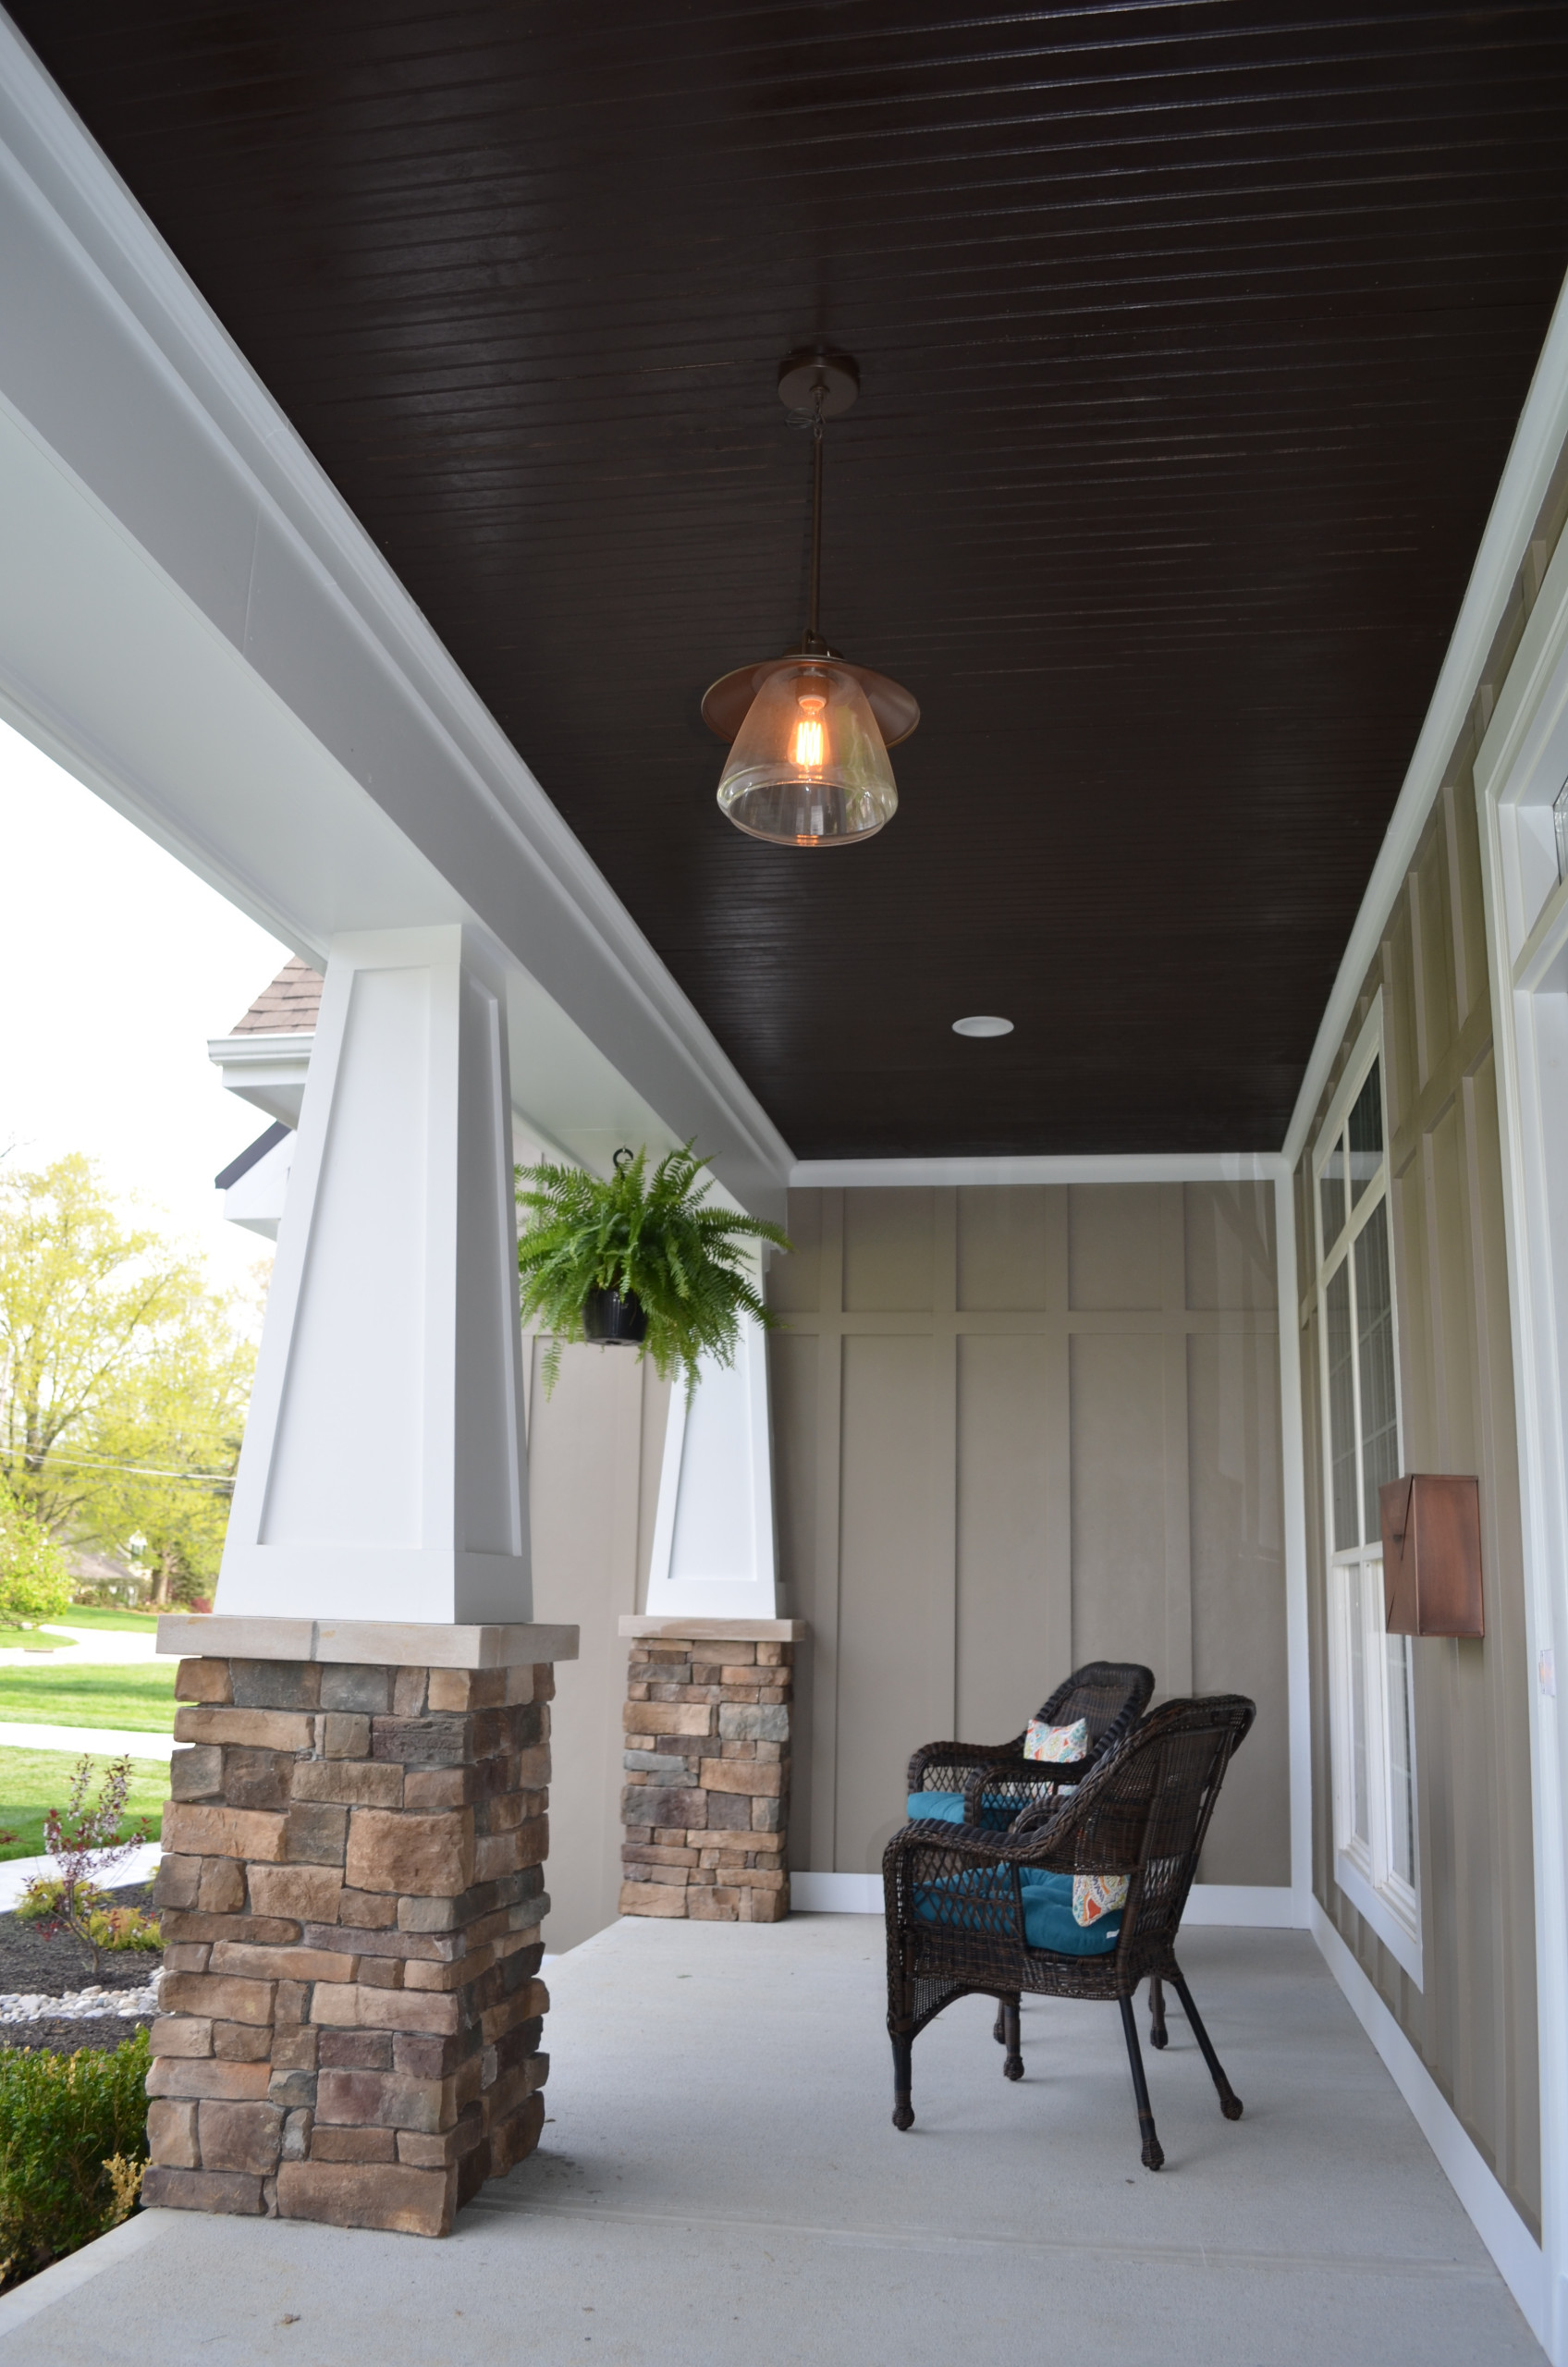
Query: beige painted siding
[1472, 2021]
[1016, 1429]
[594, 1452]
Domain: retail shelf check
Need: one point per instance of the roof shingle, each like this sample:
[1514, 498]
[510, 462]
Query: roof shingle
[287, 1007]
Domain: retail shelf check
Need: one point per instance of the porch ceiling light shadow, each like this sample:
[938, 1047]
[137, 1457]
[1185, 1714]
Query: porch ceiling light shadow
[811, 732]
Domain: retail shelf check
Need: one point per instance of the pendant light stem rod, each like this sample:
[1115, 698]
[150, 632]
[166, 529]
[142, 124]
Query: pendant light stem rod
[812, 630]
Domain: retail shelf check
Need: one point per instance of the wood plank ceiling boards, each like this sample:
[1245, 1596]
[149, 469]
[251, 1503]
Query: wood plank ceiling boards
[1191, 338]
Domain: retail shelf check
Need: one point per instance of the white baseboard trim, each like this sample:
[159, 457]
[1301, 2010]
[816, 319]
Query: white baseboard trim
[1256, 1907]
[1253, 1907]
[1518, 2256]
[836, 1894]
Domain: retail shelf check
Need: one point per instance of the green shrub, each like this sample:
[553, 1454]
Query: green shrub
[73, 2138]
[41, 1901]
[34, 1583]
[124, 1927]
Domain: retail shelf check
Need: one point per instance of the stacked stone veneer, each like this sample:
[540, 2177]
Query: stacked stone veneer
[350, 2013]
[705, 1803]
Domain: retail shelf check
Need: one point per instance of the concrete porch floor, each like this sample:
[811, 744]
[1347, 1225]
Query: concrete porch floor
[721, 2180]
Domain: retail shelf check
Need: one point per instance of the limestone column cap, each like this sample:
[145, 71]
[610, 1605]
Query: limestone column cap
[389, 1643]
[719, 1631]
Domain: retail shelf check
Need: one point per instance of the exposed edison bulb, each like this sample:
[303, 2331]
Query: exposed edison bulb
[808, 767]
[806, 749]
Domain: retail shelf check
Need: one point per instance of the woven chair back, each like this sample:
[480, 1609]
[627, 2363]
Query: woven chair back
[1103, 1693]
[1144, 1810]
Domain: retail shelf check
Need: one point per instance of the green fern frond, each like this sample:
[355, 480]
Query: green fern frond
[648, 1236]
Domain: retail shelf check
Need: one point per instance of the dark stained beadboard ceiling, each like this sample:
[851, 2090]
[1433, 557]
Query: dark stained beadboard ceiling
[1192, 340]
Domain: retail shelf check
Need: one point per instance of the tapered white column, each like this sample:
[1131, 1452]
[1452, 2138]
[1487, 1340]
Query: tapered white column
[714, 1548]
[382, 1474]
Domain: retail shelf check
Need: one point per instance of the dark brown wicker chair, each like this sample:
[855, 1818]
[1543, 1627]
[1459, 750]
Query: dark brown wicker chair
[955, 1909]
[998, 1781]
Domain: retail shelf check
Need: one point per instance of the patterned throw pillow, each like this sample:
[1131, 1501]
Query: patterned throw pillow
[1098, 1894]
[1055, 1744]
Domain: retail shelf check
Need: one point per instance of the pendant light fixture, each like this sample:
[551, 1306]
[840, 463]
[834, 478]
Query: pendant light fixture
[811, 732]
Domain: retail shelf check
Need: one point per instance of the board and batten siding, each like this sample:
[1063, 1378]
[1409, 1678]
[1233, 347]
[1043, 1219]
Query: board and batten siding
[1472, 2020]
[1015, 1428]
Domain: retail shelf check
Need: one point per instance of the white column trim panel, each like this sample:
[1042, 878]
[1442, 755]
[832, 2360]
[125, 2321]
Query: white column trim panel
[714, 1552]
[383, 1473]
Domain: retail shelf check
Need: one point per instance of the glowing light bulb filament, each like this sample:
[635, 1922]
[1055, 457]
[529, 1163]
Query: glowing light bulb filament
[807, 750]
[808, 744]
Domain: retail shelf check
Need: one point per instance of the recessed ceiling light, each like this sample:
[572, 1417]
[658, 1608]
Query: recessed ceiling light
[983, 1026]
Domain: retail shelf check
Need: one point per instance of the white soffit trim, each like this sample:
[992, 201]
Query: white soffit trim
[394, 796]
[1533, 456]
[1077, 1167]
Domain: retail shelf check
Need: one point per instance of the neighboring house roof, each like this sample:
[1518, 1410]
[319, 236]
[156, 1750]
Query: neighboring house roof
[288, 1007]
[249, 1157]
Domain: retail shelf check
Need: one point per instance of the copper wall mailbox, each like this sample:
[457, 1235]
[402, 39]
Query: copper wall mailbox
[1432, 1555]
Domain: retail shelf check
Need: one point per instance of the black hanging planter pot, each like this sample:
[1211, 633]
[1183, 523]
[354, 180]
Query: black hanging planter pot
[611, 1318]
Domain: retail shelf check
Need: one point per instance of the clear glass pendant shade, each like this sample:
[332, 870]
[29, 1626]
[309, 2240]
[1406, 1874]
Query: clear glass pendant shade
[808, 767]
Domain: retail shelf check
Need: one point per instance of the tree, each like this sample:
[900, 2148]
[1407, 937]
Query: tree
[123, 1380]
[34, 1582]
[82, 1295]
[169, 1439]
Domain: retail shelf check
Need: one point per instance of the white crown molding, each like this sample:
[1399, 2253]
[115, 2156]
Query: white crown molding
[1533, 456]
[90, 280]
[1085, 1167]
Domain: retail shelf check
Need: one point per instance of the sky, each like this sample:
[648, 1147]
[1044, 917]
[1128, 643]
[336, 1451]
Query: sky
[116, 965]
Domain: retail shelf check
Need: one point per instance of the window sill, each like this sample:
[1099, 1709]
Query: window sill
[1374, 1910]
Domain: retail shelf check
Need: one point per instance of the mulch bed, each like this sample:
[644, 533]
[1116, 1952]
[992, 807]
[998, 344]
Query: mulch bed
[31, 1964]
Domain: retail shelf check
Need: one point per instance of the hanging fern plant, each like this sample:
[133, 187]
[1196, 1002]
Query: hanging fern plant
[653, 1241]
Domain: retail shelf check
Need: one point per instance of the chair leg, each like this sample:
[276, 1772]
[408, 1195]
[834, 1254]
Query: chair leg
[1012, 2064]
[1153, 2156]
[903, 2111]
[1157, 2033]
[1229, 2103]
[998, 2028]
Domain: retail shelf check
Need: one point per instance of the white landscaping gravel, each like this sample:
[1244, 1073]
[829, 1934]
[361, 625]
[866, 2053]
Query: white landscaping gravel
[80, 2005]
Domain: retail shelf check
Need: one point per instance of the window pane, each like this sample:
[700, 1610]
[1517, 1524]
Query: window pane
[1331, 1185]
[1360, 1821]
[1341, 1411]
[1375, 1323]
[1401, 1754]
[1365, 1135]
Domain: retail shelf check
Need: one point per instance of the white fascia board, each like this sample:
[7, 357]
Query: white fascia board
[267, 1070]
[1087, 1167]
[1533, 456]
[303, 739]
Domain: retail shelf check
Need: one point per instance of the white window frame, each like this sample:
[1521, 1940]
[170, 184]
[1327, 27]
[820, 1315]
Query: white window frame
[1364, 1868]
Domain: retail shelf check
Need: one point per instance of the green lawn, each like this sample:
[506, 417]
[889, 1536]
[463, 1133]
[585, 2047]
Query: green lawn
[80, 1615]
[33, 1782]
[35, 1639]
[140, 1700]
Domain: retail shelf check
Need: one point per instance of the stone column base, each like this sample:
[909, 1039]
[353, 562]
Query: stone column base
[706, 1798]
[352, 1893]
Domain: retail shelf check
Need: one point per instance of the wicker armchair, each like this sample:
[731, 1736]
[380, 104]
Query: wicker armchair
[955, 1903]
[998, 1781]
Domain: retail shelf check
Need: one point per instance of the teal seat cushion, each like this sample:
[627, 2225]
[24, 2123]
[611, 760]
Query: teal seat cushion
[1048, 1919]
[946, 1808]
